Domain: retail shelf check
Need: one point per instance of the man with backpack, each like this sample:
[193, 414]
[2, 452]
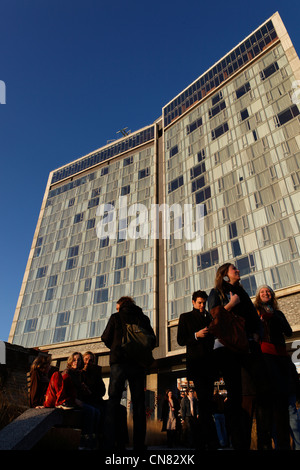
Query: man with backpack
[131, 339]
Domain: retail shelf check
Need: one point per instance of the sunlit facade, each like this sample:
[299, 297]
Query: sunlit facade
[229, 142]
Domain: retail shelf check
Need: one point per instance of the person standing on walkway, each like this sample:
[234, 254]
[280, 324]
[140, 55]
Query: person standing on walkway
[228, 294]
[193, 333]
[121, 368]
[277, 362]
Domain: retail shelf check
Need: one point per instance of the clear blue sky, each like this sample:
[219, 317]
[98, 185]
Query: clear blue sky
[77, 71]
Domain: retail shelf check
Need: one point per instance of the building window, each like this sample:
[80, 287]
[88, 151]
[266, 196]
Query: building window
[78, 218]
[215, 99]
[52, 281]
[244, 114]
[216, 109]
[232, 230]
[49, 294]
[30, 325]
[96, 192]
[198, 183]
[173, 151]
[93, 202]
[202, 195]
[205, 260]
[41, 272]
[268, 71]
[101, 281]
[220, 130]
[197, 170]
[249, 284]
[246, 264]
[39, 241]
[175, 184]
[63, 318]
[127, 161]
[236, 249]
[59, 335]
[104, 242]
[87, 284]
[117, 277]
[73, 251]
[143, 173]
[120, 262]
[243, 90]
[125, 190]
[201, 155]
[287, 115]
[296, 179]
[101, 296]
[104, 171]
[71, 263]
[193, 126]
[90, 224]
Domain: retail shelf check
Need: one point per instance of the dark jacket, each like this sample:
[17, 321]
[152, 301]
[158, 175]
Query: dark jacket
[92, 379]
[185, 408]
[276, 328]
[196, 349]
[113, 333]
[244, 309]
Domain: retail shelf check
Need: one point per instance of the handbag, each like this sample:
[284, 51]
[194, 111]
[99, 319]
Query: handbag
[229, 329]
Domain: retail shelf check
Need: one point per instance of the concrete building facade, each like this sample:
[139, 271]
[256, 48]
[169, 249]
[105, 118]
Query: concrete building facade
[229, 146]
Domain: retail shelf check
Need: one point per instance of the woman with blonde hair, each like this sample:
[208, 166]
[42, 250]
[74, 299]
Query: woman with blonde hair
[275, 413]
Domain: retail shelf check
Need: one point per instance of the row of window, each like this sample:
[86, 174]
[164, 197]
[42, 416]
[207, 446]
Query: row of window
[112, 151]
[240, 56]
[281, 118]
[143, 173]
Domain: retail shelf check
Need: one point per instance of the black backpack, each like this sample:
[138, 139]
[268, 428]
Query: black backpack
[137, 344]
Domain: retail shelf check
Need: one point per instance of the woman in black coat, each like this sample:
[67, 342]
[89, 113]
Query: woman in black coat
[275, 413]
[229, 294]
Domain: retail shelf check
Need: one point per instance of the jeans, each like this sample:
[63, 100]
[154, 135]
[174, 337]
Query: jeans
[221, 428]
[90, 419]
[135, 375]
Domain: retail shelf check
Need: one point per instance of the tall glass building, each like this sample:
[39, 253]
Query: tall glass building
[230, 144]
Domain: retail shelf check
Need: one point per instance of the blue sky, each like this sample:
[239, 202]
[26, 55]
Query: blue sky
[78, 71]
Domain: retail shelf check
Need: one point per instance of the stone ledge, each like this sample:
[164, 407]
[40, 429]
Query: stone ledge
[28, 429]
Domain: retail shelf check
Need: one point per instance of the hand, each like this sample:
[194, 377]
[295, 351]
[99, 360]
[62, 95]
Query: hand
[234, 300]
[202, 333]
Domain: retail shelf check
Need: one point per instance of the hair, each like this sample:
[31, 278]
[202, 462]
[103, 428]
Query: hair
[40, 362]
[89, 353]
[71, 359]
[199, 293]
[125, 301]
[221, 273]
[258, 303]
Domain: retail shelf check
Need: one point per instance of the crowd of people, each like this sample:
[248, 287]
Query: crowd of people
[79, 386]
[260, 381]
